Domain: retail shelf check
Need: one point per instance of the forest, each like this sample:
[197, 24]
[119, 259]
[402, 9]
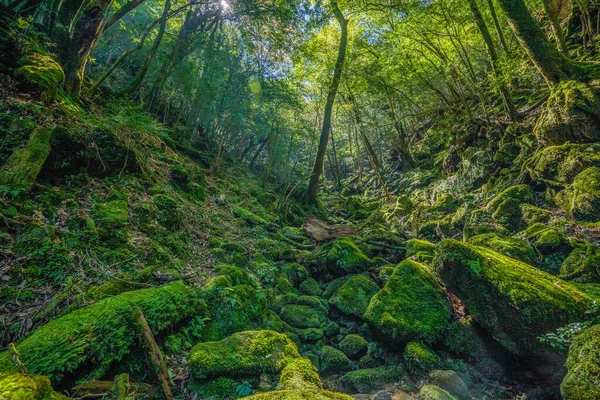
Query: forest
[300, 199]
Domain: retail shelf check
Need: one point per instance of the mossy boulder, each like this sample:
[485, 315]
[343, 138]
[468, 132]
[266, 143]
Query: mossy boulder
[310, 287]
[302, 316]
[582, 199]
[334, 361]
[370, 379]
[509, 215]
[451, 382]
[432, 392]
[582, 265]
[420, 359]
[411, 306]
[353, 297]
[559, 165]
[334, 285]
[346, 257]
[88, 341]
[420, 250]
[571, 114]
[354, 346]
[521, 194]
[300, 394]
[533, 214]
[14, 385]
[551, 244]
[509, 246]
[583, 379]
[44, 72]
[512, 300]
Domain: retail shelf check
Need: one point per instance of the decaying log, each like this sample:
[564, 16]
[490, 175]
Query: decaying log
[319, 231]
[102, 389]
[156, 357]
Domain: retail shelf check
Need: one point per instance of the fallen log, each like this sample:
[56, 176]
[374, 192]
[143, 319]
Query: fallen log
[319, 231]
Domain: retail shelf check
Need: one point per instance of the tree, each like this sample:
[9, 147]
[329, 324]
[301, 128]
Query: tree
[315, 178]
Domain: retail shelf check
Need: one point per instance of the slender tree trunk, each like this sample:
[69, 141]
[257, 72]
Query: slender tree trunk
[313, 186]
[499, 31]
[137, 81]
[403, 143]
[553, 66]
[552, 13]
[509, 105]
[260, 149]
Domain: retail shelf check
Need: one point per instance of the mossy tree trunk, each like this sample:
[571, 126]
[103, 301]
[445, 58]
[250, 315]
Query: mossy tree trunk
[499, 31]
[550, 7]
[509, 105]
[313, 186]
[83, 39]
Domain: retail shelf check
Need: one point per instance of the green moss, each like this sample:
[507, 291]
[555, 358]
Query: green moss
[552, 245]
[24, 164]
[411, 306]
[462, 340]
[333, 286]
[18, 386]
[385, 273]
[353, 297]
[97, 336]
[310, 287]
[583, 379]
[354, 346]
[300, 395]
[519, 193]
[296, 273]
[514, 301]
[370, 379]
[509, 246]
[43, 71]
[570, 114]
[112, 220]
[420, 359]
[333, 361]
[509, 215]
[431, 392]
[533, 214]
[345, 256]
[169, 214]
[559, 165]
[249, 216]
[451, 382]
[301, 316]
[420, 250]
[582, 265]
[582, 200]
[218, 388]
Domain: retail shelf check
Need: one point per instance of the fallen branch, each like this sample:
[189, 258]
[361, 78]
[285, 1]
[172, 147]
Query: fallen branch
[156, 357]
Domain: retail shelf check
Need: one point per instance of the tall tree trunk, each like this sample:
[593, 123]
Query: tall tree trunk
[499, 31]
[550, 7]
[313, 186]
[509, 105]
[83, 39]
[137, 81]
[402, 142]
[553, 66]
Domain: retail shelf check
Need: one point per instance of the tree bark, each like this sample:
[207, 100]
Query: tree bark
[501, 37]
[552, 12]
[313, 186]
[553, 66]
[509, 105]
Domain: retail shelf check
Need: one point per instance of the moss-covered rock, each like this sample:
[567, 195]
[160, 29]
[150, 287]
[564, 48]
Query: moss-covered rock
[334, 285]
[509, 246]
[582, 265]
[514, 301]
[344, 256]
[533, 214]
[302, 316]
[14, 385]
[582, 199]
[411, 306]
[299, 394]
[43, 71]
[521, 194]
[354, 346]
[450, 382]
[334, 361]
[432, 392]
[571, 114]
[420, 250]
[25, 163]
[310, 287]
[88, 341]
[509, 215]
[353, 297]
[583, 379]
[370, 379]
[551, 244]
[559, 165]
[420, 359]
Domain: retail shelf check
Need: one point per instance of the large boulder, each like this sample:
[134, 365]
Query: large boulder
[582, 265]
[512, 300]
[411, 306]
[509, 246]
[583, 379]
[97, 336]
[572, 114]
[559, 165]
[582, 199]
